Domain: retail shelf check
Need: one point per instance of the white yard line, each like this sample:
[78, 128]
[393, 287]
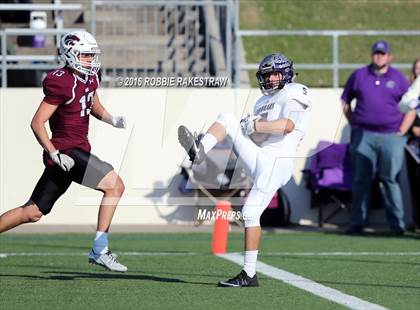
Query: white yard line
[308, 285]
[341, 253]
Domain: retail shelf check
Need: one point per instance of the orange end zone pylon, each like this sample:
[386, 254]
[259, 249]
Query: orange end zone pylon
[221, 227]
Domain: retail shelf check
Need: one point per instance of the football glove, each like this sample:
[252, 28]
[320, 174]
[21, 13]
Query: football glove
[248, 124]
[118, 122]
[64, 161]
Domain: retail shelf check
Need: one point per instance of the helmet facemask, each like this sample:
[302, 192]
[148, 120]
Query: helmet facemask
[267, 86]
[86, 67]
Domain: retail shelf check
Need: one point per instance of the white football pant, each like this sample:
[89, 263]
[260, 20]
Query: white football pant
[268, 169]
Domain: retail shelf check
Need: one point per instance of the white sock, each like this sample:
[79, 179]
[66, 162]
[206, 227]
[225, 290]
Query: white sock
[208, 142]
[100, 244]
[250, 262]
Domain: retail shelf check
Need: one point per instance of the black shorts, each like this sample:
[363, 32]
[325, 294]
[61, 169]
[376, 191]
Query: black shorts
[88, 170]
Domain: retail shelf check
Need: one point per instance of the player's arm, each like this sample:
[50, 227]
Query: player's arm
[41, 116]
[99, 111]
[291, 114]
[285, 125]
[280, 126]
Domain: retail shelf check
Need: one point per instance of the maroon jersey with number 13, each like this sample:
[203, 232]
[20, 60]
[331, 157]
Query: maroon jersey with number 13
[74, 97]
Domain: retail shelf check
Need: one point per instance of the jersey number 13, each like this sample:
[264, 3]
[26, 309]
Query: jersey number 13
[85, 101]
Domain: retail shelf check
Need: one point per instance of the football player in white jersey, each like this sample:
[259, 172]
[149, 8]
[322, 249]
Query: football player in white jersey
[265, 144]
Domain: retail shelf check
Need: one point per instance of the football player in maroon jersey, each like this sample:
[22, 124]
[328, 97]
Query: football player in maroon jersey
[70, 97]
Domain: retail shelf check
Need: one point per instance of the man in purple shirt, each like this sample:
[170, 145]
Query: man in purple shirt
[377, 135]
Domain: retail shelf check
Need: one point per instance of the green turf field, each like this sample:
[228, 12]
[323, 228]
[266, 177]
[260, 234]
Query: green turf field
[179, 272]
[328, 15]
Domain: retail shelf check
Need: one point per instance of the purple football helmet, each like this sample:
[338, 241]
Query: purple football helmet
[271, 64]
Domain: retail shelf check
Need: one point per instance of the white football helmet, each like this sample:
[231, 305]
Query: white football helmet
[76, 44]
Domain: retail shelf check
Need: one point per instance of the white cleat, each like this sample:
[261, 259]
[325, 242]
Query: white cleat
[107, 260]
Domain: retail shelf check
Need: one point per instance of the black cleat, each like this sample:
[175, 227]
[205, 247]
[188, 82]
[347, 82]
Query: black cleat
[241, 280]
[191, 145]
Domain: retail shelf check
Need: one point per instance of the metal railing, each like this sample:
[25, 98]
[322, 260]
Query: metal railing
[174, 37]
[42, 62]
[155, 38]
[335, 66]
[57, 7]
[40, 7]
[7, 60]
[145, 37]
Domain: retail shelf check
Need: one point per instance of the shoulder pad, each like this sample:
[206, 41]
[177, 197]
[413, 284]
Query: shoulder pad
[299, 93]
[59, 83]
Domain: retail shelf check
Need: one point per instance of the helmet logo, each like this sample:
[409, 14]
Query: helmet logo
[71, 40]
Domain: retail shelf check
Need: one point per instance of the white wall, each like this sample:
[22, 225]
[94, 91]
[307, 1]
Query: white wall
[147, 154]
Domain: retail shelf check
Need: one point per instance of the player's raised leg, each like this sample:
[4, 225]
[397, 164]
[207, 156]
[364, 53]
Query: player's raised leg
[190, 143]
[198, 149]
[226, 125]
[113, 188]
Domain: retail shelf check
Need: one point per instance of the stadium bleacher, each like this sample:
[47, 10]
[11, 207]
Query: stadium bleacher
[136, 39]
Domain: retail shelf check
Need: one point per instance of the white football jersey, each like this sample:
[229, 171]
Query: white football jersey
[411, 98]
[294, 102]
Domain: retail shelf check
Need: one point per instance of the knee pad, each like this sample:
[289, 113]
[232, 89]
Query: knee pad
[255, 205]
[258, 200]
[251, 216]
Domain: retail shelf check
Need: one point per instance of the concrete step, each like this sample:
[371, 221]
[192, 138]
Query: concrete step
[148, 40]
[136, 14]
[157, 71]
[138, 27]
[47, 50]
[131, 41]
[148, 56]
[152, 53]
[129, 28]
[132, 60]
[183, 67]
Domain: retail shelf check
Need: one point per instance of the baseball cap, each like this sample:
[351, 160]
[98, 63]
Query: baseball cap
[381, 46]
